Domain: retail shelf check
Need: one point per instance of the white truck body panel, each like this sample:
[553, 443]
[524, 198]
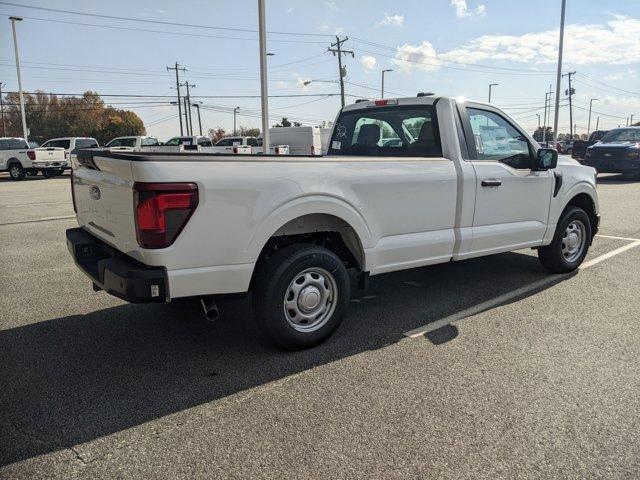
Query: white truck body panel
[17, 150]
[402, 212]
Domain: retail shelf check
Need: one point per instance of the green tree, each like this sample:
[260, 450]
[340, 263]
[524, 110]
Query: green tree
[283, 123]
[248, 131]
[49, 116]
[538, 134]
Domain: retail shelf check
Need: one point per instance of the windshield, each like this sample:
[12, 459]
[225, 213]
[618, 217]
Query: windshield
[86, 143]
[410, 131]
[622, 135]
[122, 142]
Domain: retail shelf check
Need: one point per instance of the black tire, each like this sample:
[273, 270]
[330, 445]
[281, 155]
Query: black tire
[557, 257]
[32, 173]
[16, 172]
[274, 284]
[51, 172]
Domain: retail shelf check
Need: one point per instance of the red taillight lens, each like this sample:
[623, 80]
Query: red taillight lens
[235, 149]
[31, 154]
[162, 211]
[73, 194]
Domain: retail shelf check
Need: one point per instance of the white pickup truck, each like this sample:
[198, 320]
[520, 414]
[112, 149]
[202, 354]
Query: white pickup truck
[407, 182]
[19, 160]
[133, 144]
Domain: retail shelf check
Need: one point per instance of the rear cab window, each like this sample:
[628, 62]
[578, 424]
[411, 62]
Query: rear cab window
[389, 131]
[13, 144]
[86, 143]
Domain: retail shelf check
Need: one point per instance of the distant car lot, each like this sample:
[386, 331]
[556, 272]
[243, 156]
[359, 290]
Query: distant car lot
[538, 385]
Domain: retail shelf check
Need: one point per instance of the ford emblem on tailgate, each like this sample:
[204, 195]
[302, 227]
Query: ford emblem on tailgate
[94, 192]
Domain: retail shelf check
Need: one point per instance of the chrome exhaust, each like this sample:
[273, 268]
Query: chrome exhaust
[210, 307]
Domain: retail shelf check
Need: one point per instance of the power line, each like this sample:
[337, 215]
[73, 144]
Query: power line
[292, 95]
[158, 22]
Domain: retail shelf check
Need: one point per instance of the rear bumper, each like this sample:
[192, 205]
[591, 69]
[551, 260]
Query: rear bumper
[114, 272]
[50, 164]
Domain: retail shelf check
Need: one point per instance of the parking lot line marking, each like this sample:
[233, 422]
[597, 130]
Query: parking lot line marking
[619, 238]
[506, 297]
[612, 253]
[45, 219]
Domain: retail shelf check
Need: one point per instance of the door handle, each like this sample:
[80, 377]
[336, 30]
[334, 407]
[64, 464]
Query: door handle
[491, 183]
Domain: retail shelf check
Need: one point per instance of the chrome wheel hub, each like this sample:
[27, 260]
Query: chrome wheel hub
[310, 299]
[15, 171]
[574, 240]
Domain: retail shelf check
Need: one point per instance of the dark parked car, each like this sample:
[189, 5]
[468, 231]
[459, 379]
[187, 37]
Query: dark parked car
[580, 146]
[617, 152]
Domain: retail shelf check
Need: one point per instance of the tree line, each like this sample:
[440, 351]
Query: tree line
[49, 116]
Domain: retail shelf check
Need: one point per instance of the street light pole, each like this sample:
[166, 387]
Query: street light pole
[559, 74]
[538, 115]
[235, 112]
[492, 85]
[199, 119]
[4, 130]
[589, 123]
[264, 92]
[15, 45]
[382, 86]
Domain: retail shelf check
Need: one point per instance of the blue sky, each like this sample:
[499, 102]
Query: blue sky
[451, 47]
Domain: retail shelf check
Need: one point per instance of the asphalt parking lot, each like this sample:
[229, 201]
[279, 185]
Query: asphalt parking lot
[537, 376]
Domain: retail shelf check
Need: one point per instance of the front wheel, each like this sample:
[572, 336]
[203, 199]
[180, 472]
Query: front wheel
[300, 295]
[570, 243]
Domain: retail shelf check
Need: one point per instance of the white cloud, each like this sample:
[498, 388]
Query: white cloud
[280, 85]
[462, 9]
[289, 10]
[394, 20]
[368, 62]
[616, 42]
[331, 5]
[300, 81]
[325, 27]
[420, 57]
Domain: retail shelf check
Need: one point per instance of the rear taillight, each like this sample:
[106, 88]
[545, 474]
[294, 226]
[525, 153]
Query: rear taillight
[313, 150]
[73, 194]
[235, 149]
[162, 210]
[277, 149]
[31, 154]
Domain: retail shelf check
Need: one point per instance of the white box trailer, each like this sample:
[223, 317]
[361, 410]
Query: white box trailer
[301, 140]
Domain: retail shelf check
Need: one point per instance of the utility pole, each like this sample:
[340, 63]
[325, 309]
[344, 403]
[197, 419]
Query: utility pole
[538, 115]
[491, 85]
[178, 68]
[337, 48]
[631, 122]
[4, 130]
[559, 74]
[186, 119]
[25, 132]
[199, 119]
[187, 113]
[547, 113]
[570, 93]
[235, 112]
[382, 86]
[589, 123]
[264, 84]
[597, 122]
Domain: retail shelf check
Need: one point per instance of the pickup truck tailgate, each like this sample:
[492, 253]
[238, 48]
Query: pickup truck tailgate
[103, 192]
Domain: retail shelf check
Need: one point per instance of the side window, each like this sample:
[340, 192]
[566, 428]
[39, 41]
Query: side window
[497, 139]
[4, 144]
[253, 142]
[225, 142]
[149, 142]
[390, 131]
[204, 142]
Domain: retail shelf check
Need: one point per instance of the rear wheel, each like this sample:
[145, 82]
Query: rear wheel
[570, 243]
[16, 172]
[300, 295]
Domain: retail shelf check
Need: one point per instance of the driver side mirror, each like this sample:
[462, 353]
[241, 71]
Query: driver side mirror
[546, 159]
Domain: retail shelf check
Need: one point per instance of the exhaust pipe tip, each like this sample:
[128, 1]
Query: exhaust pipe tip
[211, 312]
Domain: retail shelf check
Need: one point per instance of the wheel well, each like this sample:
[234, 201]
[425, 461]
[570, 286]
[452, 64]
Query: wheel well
[323, 230]
[13, 160]
[585, 202]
